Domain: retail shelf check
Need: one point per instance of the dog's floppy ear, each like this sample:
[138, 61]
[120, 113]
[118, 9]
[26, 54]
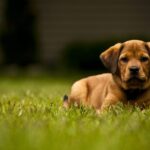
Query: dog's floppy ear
[148, 46]
[110, 57]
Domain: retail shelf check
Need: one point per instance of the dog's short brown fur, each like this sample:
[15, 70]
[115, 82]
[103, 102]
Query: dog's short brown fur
[128, 82]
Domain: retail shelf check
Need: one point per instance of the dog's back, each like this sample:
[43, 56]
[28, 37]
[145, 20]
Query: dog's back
[85, 91]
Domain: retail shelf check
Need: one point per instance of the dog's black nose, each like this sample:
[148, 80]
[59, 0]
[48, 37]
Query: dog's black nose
[134, 69]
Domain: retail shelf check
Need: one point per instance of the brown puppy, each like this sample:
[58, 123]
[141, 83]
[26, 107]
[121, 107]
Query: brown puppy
[128, 82]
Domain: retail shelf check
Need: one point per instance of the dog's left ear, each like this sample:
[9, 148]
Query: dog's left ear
[110, 57]
[148, 46]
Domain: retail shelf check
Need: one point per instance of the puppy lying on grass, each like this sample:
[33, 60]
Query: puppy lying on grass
[128, 82]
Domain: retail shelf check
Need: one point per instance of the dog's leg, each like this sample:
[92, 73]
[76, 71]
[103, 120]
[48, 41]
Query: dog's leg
[109, 102]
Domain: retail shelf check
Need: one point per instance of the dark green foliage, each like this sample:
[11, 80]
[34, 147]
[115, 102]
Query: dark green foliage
[84, 55]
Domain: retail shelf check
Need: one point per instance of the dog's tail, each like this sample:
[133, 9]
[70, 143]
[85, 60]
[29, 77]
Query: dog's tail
[65, 98]
[65, 101]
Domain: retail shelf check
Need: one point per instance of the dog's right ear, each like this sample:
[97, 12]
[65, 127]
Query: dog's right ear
[110, 57]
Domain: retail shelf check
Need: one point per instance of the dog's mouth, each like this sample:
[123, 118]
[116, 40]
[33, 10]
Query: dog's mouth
[134, 82]
[134, 79]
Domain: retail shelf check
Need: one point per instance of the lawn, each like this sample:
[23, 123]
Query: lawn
[32, 118]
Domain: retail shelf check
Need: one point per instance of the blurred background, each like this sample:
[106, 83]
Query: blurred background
[58, 35]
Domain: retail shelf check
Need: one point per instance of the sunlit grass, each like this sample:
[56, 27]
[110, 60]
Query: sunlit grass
[32, 117]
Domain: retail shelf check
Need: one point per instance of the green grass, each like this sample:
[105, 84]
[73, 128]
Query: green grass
[32, 118]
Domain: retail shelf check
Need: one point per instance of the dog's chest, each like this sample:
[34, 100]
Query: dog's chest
[137, 97]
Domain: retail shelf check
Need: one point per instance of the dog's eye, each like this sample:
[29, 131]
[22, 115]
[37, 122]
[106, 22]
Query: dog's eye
[144, 59]
[124, 59]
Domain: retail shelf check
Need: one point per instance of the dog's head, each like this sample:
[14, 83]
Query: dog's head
[129, 62]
